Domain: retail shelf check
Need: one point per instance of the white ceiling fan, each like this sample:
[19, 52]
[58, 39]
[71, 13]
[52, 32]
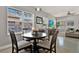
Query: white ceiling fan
[72, 12]
[66, 13]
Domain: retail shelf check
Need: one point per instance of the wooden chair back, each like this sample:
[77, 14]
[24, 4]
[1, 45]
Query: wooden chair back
[53, 42]
[14, 40]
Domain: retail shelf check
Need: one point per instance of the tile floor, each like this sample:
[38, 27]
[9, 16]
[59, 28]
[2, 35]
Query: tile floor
[67, 45]
[64, 45]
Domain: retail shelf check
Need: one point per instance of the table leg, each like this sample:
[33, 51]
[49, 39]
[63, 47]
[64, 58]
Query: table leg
[35, 48]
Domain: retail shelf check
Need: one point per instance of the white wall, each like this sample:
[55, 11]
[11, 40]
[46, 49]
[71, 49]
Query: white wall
[3, 27]
[74, 18]
[4, 38]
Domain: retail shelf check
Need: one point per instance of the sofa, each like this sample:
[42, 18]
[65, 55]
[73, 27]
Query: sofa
[72, 33]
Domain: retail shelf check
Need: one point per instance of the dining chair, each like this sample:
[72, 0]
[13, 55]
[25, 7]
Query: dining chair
[49, 33]
[49, 46]
[25, 30]
[17, 46]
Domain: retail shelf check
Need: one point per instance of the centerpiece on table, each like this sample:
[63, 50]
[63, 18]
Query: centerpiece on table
[35, 31]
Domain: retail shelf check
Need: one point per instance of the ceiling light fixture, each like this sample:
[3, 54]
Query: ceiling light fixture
[69, 13]
[38, 9]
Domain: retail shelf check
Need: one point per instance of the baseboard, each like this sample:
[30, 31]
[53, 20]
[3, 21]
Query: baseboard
[5, 47]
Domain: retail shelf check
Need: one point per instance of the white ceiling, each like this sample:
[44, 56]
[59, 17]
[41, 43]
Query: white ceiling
[59, 10]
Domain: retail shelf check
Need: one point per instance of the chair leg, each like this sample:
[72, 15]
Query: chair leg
[55, 48]
[50, 50]
[16, 50]
[12, 49]
[31, 49]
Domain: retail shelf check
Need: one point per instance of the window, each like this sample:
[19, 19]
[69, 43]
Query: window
[18, 19]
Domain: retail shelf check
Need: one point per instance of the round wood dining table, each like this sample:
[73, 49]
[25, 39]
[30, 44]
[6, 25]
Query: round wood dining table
[33, 37]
